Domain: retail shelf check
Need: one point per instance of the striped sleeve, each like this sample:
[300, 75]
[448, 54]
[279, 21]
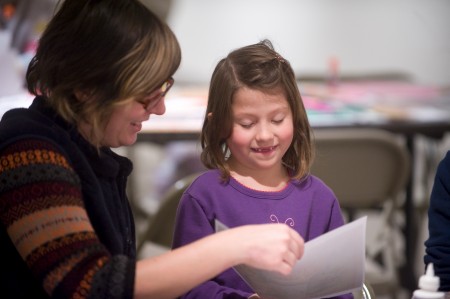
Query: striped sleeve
[42, 210]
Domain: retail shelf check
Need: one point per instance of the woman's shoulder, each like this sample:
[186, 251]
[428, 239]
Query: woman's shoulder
[41, 159]
[29, 123]
[29, 137]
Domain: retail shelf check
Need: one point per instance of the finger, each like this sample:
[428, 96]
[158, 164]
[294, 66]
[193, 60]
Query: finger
[285, 268]
[297, 244]
[290, 258]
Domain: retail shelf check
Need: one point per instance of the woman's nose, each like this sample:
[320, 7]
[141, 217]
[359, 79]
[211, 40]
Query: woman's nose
[158, 109]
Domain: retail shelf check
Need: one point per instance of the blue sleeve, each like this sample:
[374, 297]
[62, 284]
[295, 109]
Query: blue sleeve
[192, 224]
[437, 247]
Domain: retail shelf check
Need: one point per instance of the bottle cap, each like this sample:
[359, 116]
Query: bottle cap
[429, 281]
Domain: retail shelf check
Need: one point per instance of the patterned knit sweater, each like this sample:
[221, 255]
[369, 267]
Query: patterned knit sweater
[66, 230]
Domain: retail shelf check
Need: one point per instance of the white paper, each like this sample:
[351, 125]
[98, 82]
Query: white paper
[332, 264]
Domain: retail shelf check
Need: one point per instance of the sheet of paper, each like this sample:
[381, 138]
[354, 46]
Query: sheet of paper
[332, 264]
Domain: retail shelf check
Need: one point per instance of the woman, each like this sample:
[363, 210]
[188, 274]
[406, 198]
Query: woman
[102, 68]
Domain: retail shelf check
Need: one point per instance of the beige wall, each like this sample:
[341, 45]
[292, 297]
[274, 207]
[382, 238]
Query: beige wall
[409, 36]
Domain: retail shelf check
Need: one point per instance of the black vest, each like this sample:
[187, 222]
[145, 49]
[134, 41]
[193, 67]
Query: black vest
[103, 177]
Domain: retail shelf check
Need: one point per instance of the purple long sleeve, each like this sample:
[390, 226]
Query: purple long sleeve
[308, 206]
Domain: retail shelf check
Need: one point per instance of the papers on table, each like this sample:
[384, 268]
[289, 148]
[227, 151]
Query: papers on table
[332, 264]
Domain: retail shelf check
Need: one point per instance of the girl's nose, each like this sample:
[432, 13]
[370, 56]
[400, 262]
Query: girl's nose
[264, 132]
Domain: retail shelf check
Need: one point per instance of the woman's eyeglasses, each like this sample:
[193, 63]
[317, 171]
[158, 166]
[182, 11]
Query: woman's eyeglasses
[153, 99]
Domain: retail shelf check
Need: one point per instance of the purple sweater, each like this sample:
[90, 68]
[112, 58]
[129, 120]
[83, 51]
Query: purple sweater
[308, 206]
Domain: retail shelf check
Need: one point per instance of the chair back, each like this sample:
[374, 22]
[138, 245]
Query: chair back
[160, 228]
[368, 170]
[366, 292]
[364, 167]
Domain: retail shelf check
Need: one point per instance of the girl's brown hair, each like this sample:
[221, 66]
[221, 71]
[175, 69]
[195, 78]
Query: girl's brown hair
[258, 67]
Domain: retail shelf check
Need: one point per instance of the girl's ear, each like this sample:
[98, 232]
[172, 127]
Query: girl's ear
[209, 116]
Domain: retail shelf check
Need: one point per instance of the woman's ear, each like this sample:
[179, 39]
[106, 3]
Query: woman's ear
[209, 116]
[82, 95]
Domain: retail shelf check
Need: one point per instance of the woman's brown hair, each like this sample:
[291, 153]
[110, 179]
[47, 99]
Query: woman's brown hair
[108, 50]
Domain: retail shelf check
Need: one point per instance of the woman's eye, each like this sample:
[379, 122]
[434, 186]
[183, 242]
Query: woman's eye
[148, 103]
[151, 104]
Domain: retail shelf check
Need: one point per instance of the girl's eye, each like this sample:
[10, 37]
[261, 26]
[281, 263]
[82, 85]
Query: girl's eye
[247, 125]
[277, 121]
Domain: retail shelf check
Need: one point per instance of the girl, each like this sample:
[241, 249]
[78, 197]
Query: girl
[256, 141]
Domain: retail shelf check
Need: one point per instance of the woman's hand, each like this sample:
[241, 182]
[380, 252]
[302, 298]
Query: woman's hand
[274, 247]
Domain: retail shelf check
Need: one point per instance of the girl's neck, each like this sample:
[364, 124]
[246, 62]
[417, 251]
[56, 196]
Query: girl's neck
[262, 180]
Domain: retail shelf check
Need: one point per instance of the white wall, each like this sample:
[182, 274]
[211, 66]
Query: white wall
[410, 36]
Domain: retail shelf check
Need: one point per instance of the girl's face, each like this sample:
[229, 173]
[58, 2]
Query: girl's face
[262, 130]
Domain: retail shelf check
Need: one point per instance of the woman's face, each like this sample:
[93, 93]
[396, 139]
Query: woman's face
[126, 122]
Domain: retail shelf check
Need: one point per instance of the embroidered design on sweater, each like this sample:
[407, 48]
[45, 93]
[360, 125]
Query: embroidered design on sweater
[288, 221]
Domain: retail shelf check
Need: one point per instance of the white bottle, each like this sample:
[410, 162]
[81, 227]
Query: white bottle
[428, 286]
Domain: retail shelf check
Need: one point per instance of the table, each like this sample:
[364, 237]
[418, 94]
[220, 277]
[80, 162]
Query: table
[399, 107]
[396, 106]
